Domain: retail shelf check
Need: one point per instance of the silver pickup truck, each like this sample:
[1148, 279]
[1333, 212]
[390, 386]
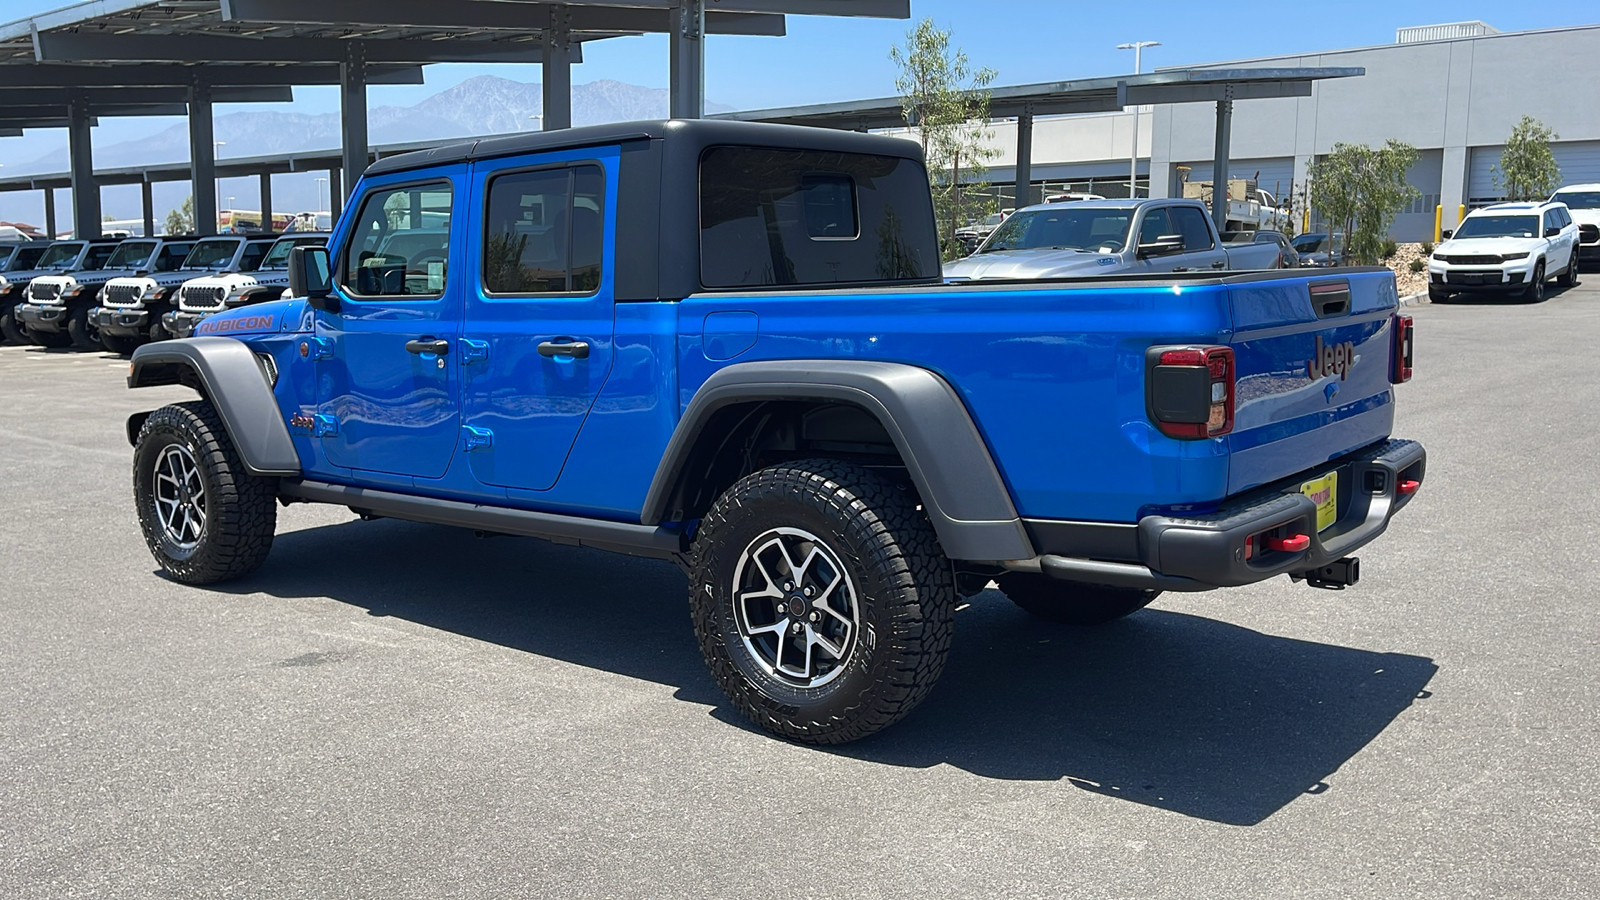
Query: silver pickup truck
[1107, 237]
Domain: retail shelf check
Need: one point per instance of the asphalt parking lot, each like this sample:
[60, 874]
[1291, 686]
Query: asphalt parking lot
[397, 710]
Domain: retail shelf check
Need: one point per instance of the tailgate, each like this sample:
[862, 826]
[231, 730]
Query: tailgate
[1313, 361]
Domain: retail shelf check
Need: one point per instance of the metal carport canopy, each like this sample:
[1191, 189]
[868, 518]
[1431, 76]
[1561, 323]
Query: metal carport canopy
[1086, 95]
[235, 43]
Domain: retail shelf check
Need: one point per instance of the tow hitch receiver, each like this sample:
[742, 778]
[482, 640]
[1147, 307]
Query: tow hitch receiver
[1335, 576]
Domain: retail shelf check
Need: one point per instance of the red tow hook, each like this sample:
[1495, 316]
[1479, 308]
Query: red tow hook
[1292, 544]
[1405, 488]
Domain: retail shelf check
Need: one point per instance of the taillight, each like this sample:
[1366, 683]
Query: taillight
[1400, 370]
[1190, 391]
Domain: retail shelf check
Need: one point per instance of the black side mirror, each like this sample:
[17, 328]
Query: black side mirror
[1161, 246]
[1552, 232]
[310, 277]
[1446, 234]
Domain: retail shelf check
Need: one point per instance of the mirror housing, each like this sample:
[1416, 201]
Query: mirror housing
[1447, 234]
[1161, 246]
[310, 276]
[1552, 232]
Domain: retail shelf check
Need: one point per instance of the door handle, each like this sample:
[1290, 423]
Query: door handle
[428, 345]
[574, 349]
[1220, 264]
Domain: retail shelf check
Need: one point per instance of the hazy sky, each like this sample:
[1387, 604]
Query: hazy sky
[1025, 41]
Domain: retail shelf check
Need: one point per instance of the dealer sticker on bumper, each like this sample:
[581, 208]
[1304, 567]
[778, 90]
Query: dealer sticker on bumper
[1324, 492]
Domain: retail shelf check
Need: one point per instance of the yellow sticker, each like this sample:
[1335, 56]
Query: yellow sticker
[1324, 492]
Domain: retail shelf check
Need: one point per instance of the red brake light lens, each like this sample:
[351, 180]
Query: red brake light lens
[1190, 391]
[1400, 373]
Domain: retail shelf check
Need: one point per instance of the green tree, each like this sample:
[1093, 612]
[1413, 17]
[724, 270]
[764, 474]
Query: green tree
[1360, 190]
[1528, 169]
[181, 220]
[947, 102]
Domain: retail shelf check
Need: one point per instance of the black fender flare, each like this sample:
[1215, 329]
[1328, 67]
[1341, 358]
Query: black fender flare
[945, 454]
[230, 377]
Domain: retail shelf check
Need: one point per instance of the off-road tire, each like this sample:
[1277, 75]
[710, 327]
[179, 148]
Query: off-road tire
[12, 329]
[1569, 278]
[55, 340]
[240, 515]
[158, 332]
[904, 589]
[81, 332]
[1438, 295]
[1072, 604]
[119, 344]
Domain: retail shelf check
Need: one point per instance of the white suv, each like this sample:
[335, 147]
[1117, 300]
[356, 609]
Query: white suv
[1583, 201]
[1508, 248]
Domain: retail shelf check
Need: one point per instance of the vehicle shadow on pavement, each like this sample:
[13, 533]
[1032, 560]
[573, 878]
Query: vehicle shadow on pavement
[1174, 711]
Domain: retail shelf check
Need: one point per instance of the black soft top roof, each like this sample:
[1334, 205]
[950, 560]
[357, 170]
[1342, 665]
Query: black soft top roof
[701, 132]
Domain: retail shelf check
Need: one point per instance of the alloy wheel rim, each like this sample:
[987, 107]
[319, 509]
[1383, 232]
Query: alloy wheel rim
[179, 493]
[796, 608]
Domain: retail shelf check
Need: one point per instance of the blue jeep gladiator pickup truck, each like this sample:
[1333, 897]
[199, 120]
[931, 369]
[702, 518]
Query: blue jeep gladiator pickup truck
[729, 345]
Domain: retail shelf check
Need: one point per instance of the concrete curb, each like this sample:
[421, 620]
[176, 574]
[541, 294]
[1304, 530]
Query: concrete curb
[1414, 299]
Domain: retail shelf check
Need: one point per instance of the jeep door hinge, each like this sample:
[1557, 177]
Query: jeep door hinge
[475, 438]
[324, 425]
[316, 348]
[473, 351]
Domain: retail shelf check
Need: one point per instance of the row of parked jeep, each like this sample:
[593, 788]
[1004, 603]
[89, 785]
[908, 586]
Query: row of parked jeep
[118, 293]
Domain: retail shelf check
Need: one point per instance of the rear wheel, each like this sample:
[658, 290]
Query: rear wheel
[822, 602]
[81, 332]
[1569, 278]
[205, 517]
[11, 328]
[1070, 603]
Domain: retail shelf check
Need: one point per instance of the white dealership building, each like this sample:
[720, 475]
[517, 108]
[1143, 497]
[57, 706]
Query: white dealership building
[1454, 92]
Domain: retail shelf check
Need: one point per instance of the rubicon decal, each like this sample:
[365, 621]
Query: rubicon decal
[1331, 359]
[247, 323]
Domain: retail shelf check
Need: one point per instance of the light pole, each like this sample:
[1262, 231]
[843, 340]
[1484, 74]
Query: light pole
[216, 184]
[320, 182]
[1133, 155]
[539, 118]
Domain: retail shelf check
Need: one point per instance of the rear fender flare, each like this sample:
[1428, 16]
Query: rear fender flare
[946, 456]
[225, 371]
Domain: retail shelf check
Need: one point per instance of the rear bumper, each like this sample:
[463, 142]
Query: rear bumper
[121, 322]
[1200, 553]
[42, 318]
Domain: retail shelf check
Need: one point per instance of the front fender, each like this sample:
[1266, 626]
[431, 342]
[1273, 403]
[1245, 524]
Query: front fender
[945, 454]
[225, 371]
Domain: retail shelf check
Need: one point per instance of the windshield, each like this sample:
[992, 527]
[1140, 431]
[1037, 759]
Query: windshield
[212, 254]
[1310, 243]
[1068, 228]
[131, 254]
[59, 256]
[1578, 199]
[278, 256]
[1498, 226]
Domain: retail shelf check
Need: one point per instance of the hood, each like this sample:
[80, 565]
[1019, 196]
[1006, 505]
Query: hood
[99, 276]
[1585, 216]
[1043, 262]
[260, 318]
[1495, 246]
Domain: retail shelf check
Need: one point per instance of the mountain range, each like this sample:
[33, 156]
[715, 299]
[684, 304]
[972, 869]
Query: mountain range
[486, 104]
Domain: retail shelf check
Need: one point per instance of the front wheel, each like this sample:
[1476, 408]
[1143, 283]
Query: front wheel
[122, 346]
[821, 600]
[205, 517]
[1569, 277]
[82, 332]
[1438, 295]
[1534, 292]
[11, 328]
[1069, 603]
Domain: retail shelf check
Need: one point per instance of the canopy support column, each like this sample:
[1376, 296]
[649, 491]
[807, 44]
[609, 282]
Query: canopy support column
[688, 59]
[1024, 192]
[353, 112]
[85, 192]
[558, 69]
[266, 201]
[202, 159]
[149, 207]
[335, 197]
[50, 213]
[1219, 165]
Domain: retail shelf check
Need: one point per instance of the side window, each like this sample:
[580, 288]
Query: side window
[1566, 217]
[1191, 223]
[1155, 226]
[250, 260]
[544, 231]
[172, 256]
[400, 243]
